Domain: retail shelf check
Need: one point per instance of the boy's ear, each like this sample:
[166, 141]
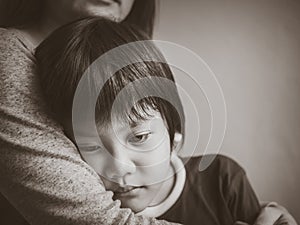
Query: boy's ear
[177, 137]
[177, 140]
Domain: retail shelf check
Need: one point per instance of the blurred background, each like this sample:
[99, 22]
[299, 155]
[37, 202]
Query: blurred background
[253, 47]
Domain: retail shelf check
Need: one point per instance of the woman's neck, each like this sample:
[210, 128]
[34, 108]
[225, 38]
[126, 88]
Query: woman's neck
[36, 33]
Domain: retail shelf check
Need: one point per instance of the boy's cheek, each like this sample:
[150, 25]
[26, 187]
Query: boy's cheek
[155, 157]
[97, 160]
[155, 174]
[109, 185]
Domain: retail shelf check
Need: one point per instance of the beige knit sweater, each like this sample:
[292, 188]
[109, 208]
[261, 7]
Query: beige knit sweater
[41, 172]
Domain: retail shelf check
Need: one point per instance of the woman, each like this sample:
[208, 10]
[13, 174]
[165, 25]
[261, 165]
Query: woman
[42, 174]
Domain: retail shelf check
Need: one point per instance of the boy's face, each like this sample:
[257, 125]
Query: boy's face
[133, 160]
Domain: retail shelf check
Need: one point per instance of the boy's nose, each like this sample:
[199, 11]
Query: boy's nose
[120, 163]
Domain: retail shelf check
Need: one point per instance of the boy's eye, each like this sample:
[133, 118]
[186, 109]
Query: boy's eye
[139, 138]
[90, 148]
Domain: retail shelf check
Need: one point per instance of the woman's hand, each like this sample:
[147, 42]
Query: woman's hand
[272, 214]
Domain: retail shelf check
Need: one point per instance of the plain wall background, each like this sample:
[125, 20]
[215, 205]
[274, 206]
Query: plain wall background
[253, 47]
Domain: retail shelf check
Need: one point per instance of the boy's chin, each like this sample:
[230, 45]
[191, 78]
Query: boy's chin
[135, 205]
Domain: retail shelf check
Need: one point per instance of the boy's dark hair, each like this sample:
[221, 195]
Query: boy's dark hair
[22, 12]
[68, 52]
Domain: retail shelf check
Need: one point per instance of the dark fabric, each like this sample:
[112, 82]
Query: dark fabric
[219, 195]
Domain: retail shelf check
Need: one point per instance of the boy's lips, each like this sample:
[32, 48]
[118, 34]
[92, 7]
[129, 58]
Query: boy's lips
[108, 2]
[125, 189]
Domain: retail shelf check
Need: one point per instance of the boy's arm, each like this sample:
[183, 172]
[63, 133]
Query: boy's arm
[245, 207]
[242, 201]
[41, 172]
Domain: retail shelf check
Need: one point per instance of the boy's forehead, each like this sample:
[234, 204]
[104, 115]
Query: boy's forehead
[124, 122]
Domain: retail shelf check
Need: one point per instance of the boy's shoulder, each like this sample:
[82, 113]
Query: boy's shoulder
[220, 167]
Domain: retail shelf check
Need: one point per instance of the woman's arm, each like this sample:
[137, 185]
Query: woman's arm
[41, 172]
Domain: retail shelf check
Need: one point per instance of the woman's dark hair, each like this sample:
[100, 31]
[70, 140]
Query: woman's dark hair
[143, 15]
[15, 13]
[64, 57]
[19, 12]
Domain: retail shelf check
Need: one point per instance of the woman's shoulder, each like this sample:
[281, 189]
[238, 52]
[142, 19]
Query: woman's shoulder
[5, 33]
[8, 36]
[13, 40]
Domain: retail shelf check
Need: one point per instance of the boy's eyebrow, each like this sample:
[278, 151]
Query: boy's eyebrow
[140, 122]
[134, 124]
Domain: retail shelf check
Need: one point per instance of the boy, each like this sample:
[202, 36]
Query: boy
[133, 151]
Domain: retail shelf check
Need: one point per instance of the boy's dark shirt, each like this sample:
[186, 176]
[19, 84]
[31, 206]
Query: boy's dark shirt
[221, 195]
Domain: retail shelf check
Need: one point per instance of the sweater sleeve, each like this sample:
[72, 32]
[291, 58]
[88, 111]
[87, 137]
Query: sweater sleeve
[41, 172]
